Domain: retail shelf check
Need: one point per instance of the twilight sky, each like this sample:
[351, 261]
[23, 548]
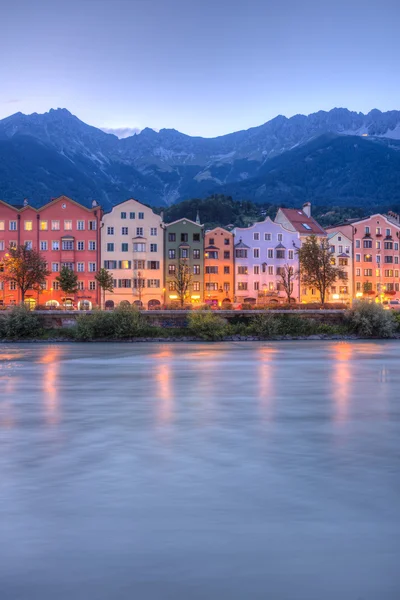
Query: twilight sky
[204, 67]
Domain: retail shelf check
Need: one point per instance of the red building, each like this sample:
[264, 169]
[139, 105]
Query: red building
[66, 234]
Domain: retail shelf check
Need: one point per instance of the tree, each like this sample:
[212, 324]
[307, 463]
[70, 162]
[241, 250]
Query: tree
[26, 267]
[68, 281]
[288, 276]
[316, 267]
[106, 282]
[182, 280]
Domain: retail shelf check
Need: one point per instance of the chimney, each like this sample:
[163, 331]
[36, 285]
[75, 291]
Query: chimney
[307, 208]
[26, 202]
[198, 218]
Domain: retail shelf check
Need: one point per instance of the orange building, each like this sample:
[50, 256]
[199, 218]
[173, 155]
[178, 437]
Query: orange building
[66, 234]
[219, 270]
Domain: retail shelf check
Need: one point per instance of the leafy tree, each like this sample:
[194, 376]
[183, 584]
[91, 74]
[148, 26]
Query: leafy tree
[68, 281]
[182, 280]
[26, 267]
[288, 276]
[316, 268]
[106, 282]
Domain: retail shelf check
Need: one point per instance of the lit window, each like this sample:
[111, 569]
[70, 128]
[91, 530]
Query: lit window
[43, 225]
[67, 225]
[2, 225]
[55, 225]
[28, 226]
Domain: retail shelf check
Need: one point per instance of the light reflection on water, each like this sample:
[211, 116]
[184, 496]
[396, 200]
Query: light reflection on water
[246, 470]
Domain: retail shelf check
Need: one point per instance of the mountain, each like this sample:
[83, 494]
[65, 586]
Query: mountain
[44, 155]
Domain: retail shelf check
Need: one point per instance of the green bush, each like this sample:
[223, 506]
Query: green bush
[369, 319]
[21, 323]
[207, 325]
[296, 325]
[265, 326]
[124, 322]
[128, 322]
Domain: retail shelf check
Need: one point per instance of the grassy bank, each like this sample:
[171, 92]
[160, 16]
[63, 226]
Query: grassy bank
[365, 320]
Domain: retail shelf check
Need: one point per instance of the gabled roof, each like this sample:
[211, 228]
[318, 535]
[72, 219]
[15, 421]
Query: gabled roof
[302, 222]
[241, 244]
[343, 255]
[280, 247]
[184, 219]
[211, 248]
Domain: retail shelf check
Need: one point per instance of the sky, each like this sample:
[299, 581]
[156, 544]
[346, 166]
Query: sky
[203, 67]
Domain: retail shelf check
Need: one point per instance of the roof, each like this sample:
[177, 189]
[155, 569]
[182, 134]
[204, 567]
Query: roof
[280, 247]
[343, 255]
[241, 244]
[211, 248]
[302, 222]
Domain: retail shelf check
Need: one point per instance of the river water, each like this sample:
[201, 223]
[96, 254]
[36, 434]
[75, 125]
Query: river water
[240, 471]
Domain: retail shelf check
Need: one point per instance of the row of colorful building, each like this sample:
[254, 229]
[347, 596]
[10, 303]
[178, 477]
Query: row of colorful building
[243, 265]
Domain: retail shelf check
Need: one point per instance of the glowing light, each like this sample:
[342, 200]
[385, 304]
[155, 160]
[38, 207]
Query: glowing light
[173, 297]
[359, 295]
[336, 296]
[196, 297]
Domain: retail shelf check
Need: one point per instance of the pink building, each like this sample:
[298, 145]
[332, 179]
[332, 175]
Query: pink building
[65, 233]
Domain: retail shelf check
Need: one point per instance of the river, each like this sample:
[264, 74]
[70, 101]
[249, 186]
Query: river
[241, 471]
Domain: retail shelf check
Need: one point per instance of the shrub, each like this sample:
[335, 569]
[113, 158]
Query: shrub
[128, 322]
[265, 326]
[22, 323]
[207, 325]
[296, 325]
[124, 322]
[369, 319]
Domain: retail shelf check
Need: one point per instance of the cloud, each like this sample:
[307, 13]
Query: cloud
[122, 132]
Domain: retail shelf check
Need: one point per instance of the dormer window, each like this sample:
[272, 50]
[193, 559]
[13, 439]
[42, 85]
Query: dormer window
[306, 226]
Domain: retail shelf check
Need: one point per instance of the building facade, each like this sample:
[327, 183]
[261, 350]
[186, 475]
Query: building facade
[261, 253]
[66, 233]
[132, 249]
[219, 273]
[341, 248]
[184, 246]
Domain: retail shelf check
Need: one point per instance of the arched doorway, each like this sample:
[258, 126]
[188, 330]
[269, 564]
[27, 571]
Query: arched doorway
[226, 301]
[68, 303]
[84, 305]
[30, 303]
[250, 300]
[124, 303]
[153, 304]
[138, 303]
[109, 304]
[52, 303]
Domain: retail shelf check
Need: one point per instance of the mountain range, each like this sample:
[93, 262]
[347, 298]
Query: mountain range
[337, 157]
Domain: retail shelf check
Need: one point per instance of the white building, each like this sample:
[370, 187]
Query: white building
[132, 249]
[342, 257]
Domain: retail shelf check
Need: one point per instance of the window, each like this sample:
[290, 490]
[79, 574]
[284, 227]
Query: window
[43, 246]
[139, 282]
[1, 245]
[68, 265]
[67, 245]
[227, 254]
[183, 253]
[153, 247]
[55, 267]
[378, 258]
[256, 270]
[153, 231]
[13, 285]
[367, 257]
[153, 283]
[270, 270]
[377, 272]
[378, 245]
[92, 267]
[124, 247]
[153, 265]
[213, 254]
[388, 233]
[55, 245]
[368, 272]
[124, 283]
[378, 231]
[291, 254]
[56, 286]
[388, 245]
[358, 243]
[124, 230]
[13, 244]
[171, 254]
[256, 285]
[80, 245]
[347, 249]
[110, 264]
[280, 237]
[396, 245]
[196, 286]
[358, 286]
[184, 237]
[396, 260]
[367, 230]
[213, 270]
[13, 225]
[280, 254]
[211, 287]
[227, 287]
[123, 215]
[343, 262]
[388, 259]
[226, 270]
[358, 257]
[67, 225]
[256, 253]
[80, 267]
[211, 241]
[55, 225]
[171, 269]
[226, 241]
[110, 247]
[81, 286]
[139, 231]
[270, 253]
[242, 271]
[196, 269]
[241, 253]
[172, 237]
[267, 237]
[341, 248]
[132, 215]
[306, 226]
[196, 237]
[80, 225]
[388, 272]
[110, 230]
[141, 215]
[332, 249]
[122, 264]
[2, 225]
[28, 225]
[196, 254]
[242, 285]
[171, 286]
[256, 236]
[139, 264]
[271, 286]
[92, 225]
[92, 285]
